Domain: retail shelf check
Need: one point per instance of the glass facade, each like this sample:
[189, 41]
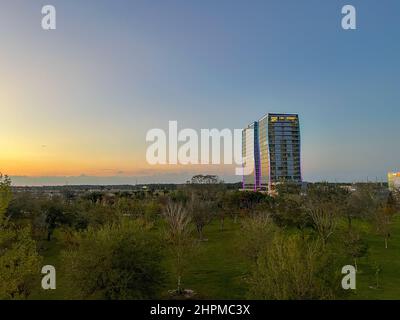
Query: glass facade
[284, 148]
[274, 150]
[264, 153]
[251, 156]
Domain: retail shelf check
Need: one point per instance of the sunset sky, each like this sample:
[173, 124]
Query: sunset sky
[76, 102]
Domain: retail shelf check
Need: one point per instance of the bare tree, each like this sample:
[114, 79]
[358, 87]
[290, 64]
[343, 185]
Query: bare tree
[324, 219]
[179, 236]
[354, 245]
[383, 222]
[362, 203]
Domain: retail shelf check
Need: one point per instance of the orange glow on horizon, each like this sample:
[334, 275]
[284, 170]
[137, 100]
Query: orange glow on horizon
[100, 168]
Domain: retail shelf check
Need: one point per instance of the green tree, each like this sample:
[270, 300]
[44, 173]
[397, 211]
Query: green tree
[256, 233]
[54, 212]
[362, 203]
[201, 213]
[204, 179]
[292, 268]
[289, 211]
[116, 261]
[5, 194]
[19, 260]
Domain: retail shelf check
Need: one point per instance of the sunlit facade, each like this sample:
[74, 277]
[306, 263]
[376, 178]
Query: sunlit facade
[394, 181]
[251, 156]
[273, 150]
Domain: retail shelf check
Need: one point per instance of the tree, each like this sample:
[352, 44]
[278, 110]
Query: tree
[204, 203]
[292, 268]
[23, 207]
[324, 219]
[383, 215]
[5, 194]
[221, 212]
[205, 179]
[129, 207]
[383, 222]
[245, 203]
[115, 261]
[98, 214]
[362, 203]
[289, 211]
[392, 203]
[201, 213]
[94, 197]
[256, 234]
[179, 237]
[54, 215]
[354, 245]
[19, 260]
[287, 187]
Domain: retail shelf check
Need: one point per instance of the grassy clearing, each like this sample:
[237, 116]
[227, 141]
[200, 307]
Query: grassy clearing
[217, 268]
[51, 256]
[387, 260]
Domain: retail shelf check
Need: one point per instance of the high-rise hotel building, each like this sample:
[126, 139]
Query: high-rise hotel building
[271, 151]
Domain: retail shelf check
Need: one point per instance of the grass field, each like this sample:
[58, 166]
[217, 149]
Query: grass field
[217, 269]
[388, 261]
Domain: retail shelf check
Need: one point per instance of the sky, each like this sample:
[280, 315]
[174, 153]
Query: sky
[76, 102]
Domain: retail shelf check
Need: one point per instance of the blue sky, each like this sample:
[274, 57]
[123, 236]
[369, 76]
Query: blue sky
[80, 99]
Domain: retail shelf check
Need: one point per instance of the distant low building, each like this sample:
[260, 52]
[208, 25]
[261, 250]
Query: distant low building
[349, 188]
[394, 181]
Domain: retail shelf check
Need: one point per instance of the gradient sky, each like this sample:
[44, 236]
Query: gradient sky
[76, 103]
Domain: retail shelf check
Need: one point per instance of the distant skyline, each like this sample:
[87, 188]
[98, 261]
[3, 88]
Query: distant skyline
[76, 102]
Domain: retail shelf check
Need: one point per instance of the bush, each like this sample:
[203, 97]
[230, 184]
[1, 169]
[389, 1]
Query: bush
[117, 261]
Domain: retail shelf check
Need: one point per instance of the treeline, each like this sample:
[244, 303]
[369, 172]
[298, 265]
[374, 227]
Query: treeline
[115, 246]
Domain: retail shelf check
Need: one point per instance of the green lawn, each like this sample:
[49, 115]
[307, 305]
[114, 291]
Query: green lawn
[217, 268]
[388, 261]
[51, 256]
